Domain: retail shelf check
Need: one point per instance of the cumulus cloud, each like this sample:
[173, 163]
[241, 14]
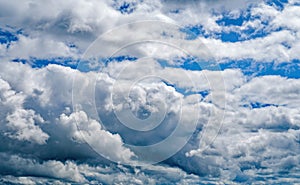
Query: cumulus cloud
[19, 123]
[79, 23]
[31, 47]
[54, 169]
[242, 124]
[143, 105]
[84, 130]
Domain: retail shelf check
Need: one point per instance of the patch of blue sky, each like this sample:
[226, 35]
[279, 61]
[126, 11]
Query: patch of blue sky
[187, 92]
[231, 35]
[279, 4]
[256, 105]
[40, 63]
[163, 62]
[6, 37]
[81, 65]
[125, 7]
[237, 35]
[228, 20]
[189, 63]
[248, 67]
[234, 34]
[231, 25]
[252, 68]
[194, 31]
[121, 58]
[252, 33]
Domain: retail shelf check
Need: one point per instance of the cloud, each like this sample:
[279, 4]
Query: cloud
[69, 25]
[84, 130]
[202, 126]
[19, 123]
[26, 47]
[34, 172]
[55, 169]
[45, 98]
[272, 90]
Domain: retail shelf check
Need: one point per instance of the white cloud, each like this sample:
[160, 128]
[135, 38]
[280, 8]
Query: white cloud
[81, 22]
[57, 172]
[236, 146]
[27, 47]
[55, 169]
[17, 122]
[21, 125]
[265, 49]
[83, 129]
[260, 130]
[271, 90]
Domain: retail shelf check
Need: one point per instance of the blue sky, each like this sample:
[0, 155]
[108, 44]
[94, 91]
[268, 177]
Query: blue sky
[150, 92]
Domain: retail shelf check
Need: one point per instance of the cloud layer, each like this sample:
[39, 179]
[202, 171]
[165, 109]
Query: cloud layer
[262, 30]
[259, 136]
[155, 87]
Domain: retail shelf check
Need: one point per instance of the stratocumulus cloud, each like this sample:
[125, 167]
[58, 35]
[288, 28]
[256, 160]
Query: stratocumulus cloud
[172, 92]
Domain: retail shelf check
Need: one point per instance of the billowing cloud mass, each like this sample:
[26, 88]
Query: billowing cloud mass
[149, 92]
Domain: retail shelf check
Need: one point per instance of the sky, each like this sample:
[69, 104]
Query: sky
[150, 92]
